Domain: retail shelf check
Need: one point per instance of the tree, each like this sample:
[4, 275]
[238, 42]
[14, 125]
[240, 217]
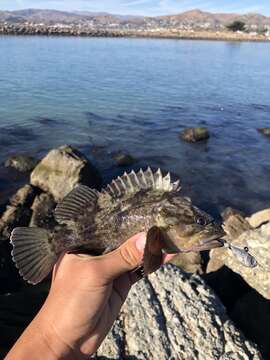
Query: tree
[237, 25]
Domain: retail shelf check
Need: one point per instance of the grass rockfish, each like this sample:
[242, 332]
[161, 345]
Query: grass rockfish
[99, 222]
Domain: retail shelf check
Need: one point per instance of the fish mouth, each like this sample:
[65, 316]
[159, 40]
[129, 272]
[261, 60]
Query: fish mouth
[211, 242]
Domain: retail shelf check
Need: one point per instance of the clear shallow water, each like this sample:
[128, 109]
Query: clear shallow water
[104, 95]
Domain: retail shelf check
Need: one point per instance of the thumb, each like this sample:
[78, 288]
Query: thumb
[126, 258]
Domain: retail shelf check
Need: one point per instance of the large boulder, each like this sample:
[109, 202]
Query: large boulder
[258, 242]
[22, 163]
[194, 134]
[172, 315]
[61, 170]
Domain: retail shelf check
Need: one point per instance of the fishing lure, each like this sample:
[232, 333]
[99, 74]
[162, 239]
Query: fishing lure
[242, 255]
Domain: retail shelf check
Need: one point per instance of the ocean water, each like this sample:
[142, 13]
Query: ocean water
[136, 95]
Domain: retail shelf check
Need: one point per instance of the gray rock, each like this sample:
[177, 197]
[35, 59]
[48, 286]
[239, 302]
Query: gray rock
[123, 159]
[194, 134]
[259, 218]
[24, 196]
[43, 212]
[264, 131]
[61, 170]
[172, 315]
[258, 242]
[21, 163]
[13, 216]
[17, 213]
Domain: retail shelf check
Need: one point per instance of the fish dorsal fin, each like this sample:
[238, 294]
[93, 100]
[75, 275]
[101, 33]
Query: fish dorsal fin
[142, 180]
[80, 200]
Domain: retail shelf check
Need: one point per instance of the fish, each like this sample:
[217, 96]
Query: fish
[97, 222]
[241, 254]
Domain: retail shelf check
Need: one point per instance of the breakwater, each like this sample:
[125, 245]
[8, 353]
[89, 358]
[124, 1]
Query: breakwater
[80, 30]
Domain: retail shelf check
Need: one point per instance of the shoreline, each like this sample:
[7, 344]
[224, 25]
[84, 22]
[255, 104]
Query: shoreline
[30, 30]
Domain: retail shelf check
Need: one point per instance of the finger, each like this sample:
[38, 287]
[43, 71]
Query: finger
[127, 257]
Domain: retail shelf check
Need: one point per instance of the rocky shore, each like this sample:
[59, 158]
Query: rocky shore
[82, 30]
[221, 312]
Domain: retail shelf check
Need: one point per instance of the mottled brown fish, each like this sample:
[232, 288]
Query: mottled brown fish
[98, 222]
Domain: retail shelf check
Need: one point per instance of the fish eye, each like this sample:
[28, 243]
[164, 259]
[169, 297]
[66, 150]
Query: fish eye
[246, 249]
[201, 221]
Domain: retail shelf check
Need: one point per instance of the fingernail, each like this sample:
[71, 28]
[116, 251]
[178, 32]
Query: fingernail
[140, 243]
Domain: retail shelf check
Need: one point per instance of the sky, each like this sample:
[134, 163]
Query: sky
[142, 7]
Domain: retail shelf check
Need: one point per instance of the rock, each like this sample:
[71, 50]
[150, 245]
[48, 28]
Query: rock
[13, 216]
[189, 262]
[21, 163]
[123, 159]
[194, 134]
[264, 131]
[24, 196]
[252, 314]
[43, 212]
[258, 242]
[172, 315]
[18, 211]
[228, 211]
[259, 218]
[234, 226]
[61, 170]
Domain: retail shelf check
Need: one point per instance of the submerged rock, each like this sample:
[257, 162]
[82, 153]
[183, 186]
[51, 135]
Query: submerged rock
[172, 315]
[194, 134]
[62, 169]
[123, 159]
[264, 131]
[21, 163]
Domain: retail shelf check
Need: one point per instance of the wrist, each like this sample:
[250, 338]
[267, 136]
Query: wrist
[39, 341]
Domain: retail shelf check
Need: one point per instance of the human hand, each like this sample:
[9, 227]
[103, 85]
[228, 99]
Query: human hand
[85, 298]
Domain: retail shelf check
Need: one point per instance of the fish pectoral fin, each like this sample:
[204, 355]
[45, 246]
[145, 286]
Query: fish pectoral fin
[80, 201]
[153, 255]
[32, 253]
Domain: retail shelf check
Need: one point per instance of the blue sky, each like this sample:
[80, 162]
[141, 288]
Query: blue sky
[142, 7]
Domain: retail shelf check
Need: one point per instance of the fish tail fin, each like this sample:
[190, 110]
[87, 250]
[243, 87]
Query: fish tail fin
[32, 253]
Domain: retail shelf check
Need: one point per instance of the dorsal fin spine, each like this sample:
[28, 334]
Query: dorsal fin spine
[116, 186]
[143, 177]
[133, 182]
[122, 182]
[136, 178]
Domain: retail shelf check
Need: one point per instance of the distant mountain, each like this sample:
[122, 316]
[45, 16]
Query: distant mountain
[198, 18]
[186, 20]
